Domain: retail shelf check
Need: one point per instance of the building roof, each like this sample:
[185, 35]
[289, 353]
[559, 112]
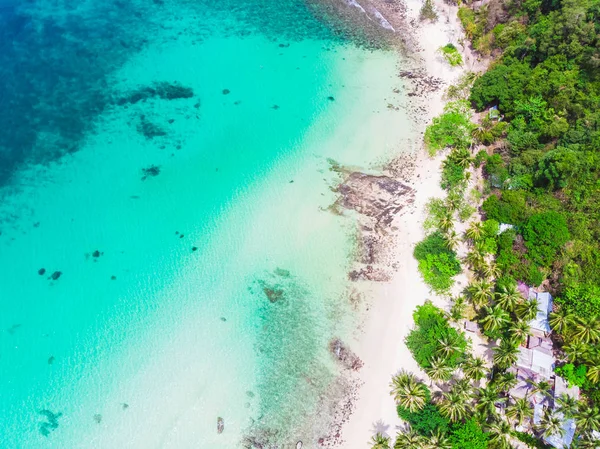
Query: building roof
[540, 322]
[565, 441]
[562, 387]
[471, 326]
[540, 343]
[524, 379]
[537, 361]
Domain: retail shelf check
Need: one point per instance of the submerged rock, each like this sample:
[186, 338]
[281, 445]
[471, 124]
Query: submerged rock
[153, 170]
[369, 273]
[344, 355]
[98, 418]
[220, 425]
[51, 360]
[162, 90]
[55, 275]
[226, 91]
[42, 271]
[51, 423]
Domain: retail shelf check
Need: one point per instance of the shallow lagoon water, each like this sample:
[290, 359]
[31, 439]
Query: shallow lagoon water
[201, 274]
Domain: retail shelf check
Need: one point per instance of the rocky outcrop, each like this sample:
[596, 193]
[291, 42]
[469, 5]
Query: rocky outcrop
[344, 355]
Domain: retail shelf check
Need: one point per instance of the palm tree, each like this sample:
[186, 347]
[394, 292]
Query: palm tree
[446, 222]
[458, 308]
[453, 200]
[408, 440]
[439, 371]
[550, 425]
[543, 387]
[506, 354]
[380, 441]
[409, 393]
[593, 373]
[451, 238]
[576, 350]
[519, 411]
[486, 400]
[494, 319]
[586, 329]
[475, 260]
[480, 293]
[519, 331]
[505, 381]
[508, 298]
[462, 386]
[500, 432]
[474, 231]
[438, 440]
[454, 406]
[492, 271]
[561, 320]
[567, 405]
[448, 346]
[527, 310]
[588, 419]
[474, 368]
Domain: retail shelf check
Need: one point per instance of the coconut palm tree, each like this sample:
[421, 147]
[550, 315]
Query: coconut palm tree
[462, 158]
[448, 346]
[474, 231]
[454, 200]
[588, 419]
[454, 406]
[576, 350]
[506, 354]
[409, 393]
[543, 387]
[567, 405]
[495, 318]
[491, 271]
[446, 222]
[561, 320]
[439, 371]
[519, 331]
[408, 440]
[474, 259]
[480, 293]
[550, 425]
[438, 440]
[380, 441]
[451, 239]
[586, 329]
[462, 386]
[520, 411]
[500, 432]
[508, 298]
[486, 400]
[458, 308]
[474, 368]
[504, 381]
[527, 310]
[593, 373]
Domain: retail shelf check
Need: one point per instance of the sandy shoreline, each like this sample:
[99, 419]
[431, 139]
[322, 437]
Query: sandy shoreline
[380, 344]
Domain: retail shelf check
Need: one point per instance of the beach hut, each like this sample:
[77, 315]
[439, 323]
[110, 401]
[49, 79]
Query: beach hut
[540, 322]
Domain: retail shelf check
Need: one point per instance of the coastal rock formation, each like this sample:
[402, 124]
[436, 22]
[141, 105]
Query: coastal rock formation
[377, 197]
[344, 355]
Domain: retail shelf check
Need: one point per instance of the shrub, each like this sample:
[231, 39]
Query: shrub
[451, 54]
[574, 375]
[510, 208]
[431, 326]
[428, 11]
[545, 233]
[583, 299]
[468, 436]
[452, 174]
[451, 129]
[437, 264]
[425, 421]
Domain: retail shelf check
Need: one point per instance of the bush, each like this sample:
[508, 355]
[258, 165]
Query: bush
[581, 299]
[510, 208]
[425, 421]
[574, 375]
[545, 233]
[431, 326]
[468, 436]
[428, 11]
[452, 174]
[451, 129]
[437, 264]
[451, 54]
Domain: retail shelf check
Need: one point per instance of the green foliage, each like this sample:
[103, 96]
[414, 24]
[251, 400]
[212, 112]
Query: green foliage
[451, 129]
[428, 11]
[495, 169]
[509, 208]
[437, 263]
[574, 375]
[452, 174]
[581, 299]
[425, 421]
[531, 441]
[451, 54]
[545, 233]
[468, 436]
[431, 326]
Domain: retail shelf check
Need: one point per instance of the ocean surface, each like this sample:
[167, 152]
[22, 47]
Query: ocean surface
[167, 252]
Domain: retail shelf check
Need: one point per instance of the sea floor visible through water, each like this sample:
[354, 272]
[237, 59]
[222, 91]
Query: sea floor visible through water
[179, 262]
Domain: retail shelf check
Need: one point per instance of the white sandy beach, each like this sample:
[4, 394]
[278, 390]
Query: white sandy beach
[381, 345]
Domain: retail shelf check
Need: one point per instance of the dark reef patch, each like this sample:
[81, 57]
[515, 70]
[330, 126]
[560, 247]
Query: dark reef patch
[162, 90]
[50, 424]
[150, 172]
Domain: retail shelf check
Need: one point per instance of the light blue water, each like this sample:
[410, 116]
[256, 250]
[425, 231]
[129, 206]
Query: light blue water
[169, 325]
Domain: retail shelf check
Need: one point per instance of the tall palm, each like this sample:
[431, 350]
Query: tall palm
[588, 419]
[454, 406]
[567, 405]
[447, 346]
[462, 386]
[527, 310]
[475, 260]
[411, 395]
[520, 411]
[408, 440]
[439, 371]
[486, 400]
[508, 298]
[542, 387]
[474, 231]
[438, 440]
[593, 373]
[576, 350]
[458, 308]
[446, 222]
[462, 158]
[519, 331]
[561, 320]
[506, 354]
[474, 368]
[496, 318]
[586, 329]
[504, 381]
[500, 432]
[492, 271]
[480, 293]
[550, 425]
[380, 441]
[451, 239]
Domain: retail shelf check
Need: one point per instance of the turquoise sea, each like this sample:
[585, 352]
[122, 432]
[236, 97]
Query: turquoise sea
[167, 255]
